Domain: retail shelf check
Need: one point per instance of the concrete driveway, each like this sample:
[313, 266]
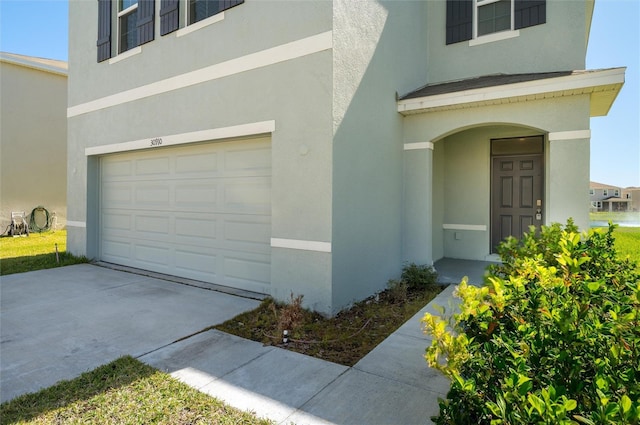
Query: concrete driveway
[56, 324]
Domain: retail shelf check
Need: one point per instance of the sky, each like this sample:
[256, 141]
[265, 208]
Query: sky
[614, 42]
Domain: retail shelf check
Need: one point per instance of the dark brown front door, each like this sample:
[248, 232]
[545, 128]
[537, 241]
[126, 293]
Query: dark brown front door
[516, 196]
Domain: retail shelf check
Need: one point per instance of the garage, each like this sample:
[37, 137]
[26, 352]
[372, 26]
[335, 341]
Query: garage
[199, 211]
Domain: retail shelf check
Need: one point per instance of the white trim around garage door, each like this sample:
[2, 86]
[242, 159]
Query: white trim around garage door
[242, 130]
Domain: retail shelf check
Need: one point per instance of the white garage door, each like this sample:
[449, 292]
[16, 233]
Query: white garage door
[199, 211]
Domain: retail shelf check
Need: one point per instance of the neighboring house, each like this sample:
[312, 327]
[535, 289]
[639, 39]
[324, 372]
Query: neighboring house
[632, 196]
[604, 197]
[314, 147]
[33, 137]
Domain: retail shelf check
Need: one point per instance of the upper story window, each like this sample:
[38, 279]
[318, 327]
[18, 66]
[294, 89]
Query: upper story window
[134, 25]
[592, 192]
[616, 193]
[605, 192]
[135, 20]
[471, 19]
[127, 25]
[493, 16]
[202, 9]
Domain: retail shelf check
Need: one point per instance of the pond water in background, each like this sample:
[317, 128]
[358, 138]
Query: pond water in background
[621, 223]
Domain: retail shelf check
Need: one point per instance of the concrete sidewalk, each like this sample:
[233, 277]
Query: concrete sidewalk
[390, 385]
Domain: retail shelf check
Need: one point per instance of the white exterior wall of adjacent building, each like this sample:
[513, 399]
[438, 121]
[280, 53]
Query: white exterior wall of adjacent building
[33, 137]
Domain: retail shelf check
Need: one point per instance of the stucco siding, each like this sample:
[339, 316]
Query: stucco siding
[559, 44]
[294, 94]
[462, 166]
[249, 28]
[373, 60]
[33, 148]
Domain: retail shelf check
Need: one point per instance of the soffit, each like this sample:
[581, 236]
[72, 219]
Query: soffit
[603, 86]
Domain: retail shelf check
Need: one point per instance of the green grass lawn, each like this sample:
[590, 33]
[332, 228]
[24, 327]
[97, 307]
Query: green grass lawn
[35, 252]
[628, 242]
[125, 391]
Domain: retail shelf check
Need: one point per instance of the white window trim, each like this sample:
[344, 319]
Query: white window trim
[592, 192]
[122, 13]
[605, 192]
[125, 55]
[188, 29]
[616, 193]
[496, 36]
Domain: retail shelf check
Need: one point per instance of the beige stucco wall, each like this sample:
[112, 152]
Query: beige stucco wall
[33, 149]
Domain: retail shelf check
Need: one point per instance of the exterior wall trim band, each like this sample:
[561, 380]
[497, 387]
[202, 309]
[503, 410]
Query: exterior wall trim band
[418, 145]
[474, 227]
[570, 135]
[284, 52]
[301, 245]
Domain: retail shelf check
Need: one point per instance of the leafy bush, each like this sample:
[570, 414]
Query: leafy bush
[418, 276]
[552, 338]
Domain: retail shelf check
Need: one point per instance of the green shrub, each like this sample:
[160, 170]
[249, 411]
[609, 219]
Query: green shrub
[418, 276]
[552, 338]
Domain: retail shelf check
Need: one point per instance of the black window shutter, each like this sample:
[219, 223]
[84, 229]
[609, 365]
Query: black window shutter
[228, 4]
[104, 30]
[529, 13]
[169, 19]
[146, 12]
[459, 20]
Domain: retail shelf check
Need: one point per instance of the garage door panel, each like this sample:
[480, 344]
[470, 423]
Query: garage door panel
[198, 228]
[196, 264]
[116, 168]
[116, 221]
[248, 196]
[197, 195]
[153, 224]
[256, 160]
[116, 194]
[152, 254]
[155, 166]
[248, 271]
[254, 230]
[200, 212]
[201, 164]
[116, 251]
[152, 195]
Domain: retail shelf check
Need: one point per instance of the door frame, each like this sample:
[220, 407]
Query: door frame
[529, 146]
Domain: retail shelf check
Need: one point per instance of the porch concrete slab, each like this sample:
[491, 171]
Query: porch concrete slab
[203, 358]
[452, 270]
[275, 384]
[58, 323]
[401, 358]
[358, 397]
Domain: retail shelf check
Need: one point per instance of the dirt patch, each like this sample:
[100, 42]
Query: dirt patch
[343, 339]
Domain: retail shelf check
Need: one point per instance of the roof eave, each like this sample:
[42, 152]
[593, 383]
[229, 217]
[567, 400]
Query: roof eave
[603, 85]
[24, 62]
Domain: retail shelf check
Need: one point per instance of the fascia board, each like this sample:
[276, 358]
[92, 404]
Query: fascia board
[529, 88]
